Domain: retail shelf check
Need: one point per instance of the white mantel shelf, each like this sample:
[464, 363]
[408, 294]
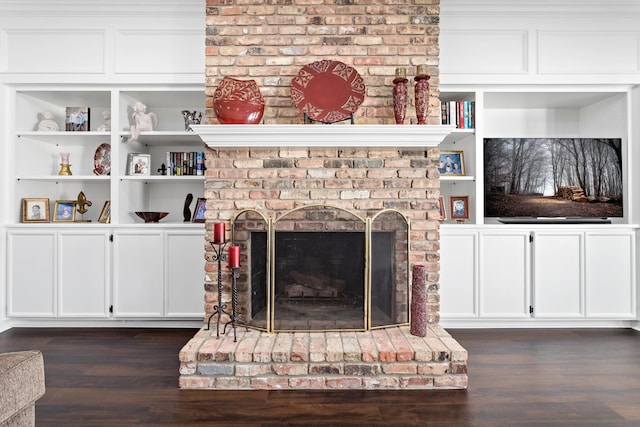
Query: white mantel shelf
[340, 136]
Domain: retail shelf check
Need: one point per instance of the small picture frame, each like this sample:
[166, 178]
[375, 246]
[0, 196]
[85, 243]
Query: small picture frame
[105, 214]
[77, 119]
[138, 164]
[451, 163]
[459, 207]
[64, 211]
[198, 213]
[35, 210]
[441, 210]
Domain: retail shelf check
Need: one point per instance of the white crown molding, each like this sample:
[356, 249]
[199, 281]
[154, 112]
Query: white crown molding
[566, 8]
[107, 8]
[197, 8]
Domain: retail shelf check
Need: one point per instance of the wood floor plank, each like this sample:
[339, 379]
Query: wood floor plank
[520, 378]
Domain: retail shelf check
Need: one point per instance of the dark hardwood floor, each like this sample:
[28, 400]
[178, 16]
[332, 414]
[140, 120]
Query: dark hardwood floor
[531, 377]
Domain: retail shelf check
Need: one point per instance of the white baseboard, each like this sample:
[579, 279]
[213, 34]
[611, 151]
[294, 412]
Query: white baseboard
[66, 323]
[541, 324]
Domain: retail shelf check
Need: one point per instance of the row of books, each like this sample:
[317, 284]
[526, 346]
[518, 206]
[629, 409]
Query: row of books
[459, 113]
[185, 163]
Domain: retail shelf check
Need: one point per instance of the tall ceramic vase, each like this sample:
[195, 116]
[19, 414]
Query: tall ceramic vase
[238, 102]
[400, 96]
[422, 94]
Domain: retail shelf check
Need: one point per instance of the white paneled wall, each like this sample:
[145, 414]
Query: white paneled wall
[522, 42]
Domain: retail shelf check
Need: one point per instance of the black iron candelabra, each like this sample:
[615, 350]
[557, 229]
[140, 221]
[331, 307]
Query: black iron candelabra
[219, 309]
[234, 317]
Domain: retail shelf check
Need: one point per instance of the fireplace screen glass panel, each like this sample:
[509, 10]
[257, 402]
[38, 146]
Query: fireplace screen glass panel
[389, 270]
[250, 232]
[319, 280]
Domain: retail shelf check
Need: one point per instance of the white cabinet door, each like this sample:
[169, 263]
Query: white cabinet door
[610, 275]
[138, 274]
[83, 274]
[504, 274]
[557, 274]
[458, 285]
[184, 270]
[31, 274]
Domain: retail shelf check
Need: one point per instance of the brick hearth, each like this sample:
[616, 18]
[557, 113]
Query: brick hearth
[380, 359]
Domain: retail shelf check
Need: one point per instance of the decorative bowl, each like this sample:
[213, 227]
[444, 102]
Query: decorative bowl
[151, 216]
[238, 102]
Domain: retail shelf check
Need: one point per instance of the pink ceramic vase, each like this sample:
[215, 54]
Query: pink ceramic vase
[238, 102]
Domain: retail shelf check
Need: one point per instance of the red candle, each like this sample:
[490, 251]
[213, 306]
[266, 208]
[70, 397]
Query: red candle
[218, 232]
[234, 256]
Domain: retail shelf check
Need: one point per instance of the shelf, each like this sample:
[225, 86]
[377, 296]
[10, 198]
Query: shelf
[305, 136]
[163, 178]
[458, 178]
[163, 137]
[63, 137]
[64, 178]
[163, 225]
[95, 224]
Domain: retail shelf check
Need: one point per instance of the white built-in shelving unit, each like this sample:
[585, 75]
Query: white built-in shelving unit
[37, 153]
[533, 70]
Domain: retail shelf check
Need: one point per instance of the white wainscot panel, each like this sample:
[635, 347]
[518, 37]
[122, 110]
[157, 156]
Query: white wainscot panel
[571, 52]
[53, 51]
[159, 51]
[474, 52]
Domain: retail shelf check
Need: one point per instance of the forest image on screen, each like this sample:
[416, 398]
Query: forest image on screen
[553, 177]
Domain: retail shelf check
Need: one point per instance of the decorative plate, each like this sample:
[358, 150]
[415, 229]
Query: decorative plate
[327, 91]
[102, 160]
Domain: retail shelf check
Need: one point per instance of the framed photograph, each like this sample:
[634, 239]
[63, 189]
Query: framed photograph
[198, 213]
[451, 163]
[105, 214]
[138, 164]
[441, 209]
[35, 210]
[459, 207]
[77, 119]
[65, 211]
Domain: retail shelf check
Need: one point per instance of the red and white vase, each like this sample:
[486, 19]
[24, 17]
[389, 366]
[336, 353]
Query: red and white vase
[422, 94]
[238, 102]
[400, 96]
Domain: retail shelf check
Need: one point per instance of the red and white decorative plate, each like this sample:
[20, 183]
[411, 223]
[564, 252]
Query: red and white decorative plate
[328, 91]
[102, 160]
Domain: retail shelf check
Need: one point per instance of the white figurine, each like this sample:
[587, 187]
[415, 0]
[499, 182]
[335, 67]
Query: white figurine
[47, 124]
[143, 121]
[106, 126]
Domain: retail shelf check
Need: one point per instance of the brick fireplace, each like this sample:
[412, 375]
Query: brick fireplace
[362, 169]
[365, 168]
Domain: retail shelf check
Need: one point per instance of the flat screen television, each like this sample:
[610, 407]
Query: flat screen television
[543, 179]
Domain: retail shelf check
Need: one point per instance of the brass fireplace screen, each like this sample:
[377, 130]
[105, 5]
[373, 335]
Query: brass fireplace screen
[322, 268]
